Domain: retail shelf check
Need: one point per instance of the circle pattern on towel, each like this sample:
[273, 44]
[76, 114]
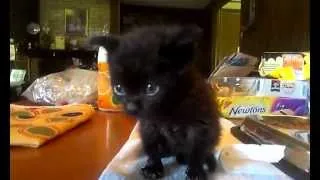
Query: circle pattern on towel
[23, 115]
[72, 114]
[42, 131]
[115, 100]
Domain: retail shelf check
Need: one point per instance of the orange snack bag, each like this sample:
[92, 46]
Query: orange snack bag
[106, 100]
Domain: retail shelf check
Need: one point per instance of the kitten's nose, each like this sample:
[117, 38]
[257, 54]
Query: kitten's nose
[132, 108]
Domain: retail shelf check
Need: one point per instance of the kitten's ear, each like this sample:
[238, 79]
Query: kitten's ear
[109, 42]
[187, 35]
[180, 49]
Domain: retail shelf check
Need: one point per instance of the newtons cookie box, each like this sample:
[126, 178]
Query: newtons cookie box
[242, 106]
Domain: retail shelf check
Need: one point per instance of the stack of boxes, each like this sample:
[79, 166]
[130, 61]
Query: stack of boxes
[239, 97]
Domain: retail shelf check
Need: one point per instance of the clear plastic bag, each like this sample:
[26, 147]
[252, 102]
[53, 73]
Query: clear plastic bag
[237, 65]
[72, 86]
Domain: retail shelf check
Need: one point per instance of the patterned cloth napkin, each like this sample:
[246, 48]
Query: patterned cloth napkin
[32, 126]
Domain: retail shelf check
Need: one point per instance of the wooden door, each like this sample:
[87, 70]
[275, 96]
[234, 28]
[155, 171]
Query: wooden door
[228, 33]
[279, 25]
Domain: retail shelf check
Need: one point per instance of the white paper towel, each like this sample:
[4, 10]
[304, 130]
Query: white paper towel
[265, 153]
[127, 163]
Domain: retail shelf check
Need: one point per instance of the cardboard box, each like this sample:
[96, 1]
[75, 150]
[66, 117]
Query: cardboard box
[285, 65]
[242, 106]
[282, 88]
[250, 86]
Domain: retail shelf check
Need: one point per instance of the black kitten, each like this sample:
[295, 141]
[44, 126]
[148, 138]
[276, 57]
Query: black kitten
[153, 76]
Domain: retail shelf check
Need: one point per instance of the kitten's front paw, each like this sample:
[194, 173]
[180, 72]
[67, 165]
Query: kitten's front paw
[196, 174]
[152, 172]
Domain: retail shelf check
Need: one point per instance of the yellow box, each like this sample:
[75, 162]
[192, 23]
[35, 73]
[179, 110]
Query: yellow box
[242, 106]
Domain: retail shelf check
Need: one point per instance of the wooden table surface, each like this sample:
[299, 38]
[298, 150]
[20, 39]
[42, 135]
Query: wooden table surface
[80, 154]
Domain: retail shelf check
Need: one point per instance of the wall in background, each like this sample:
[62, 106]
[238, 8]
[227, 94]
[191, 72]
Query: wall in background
[225, 21]
[232, 5]
[52, 12]
[228, 33]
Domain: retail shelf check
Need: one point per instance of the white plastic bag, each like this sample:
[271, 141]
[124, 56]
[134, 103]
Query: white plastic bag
[72, 86]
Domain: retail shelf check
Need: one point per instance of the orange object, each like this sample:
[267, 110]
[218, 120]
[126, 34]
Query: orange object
[106, 100]
[80, 154]
[293, 60]
[32, 126]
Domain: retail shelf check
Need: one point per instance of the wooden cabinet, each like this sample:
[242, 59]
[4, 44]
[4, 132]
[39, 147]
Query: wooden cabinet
[279, 25]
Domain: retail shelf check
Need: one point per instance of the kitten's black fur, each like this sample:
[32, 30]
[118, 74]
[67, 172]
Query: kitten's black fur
[182, 118]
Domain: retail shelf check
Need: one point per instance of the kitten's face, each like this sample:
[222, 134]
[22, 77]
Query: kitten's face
[145, 64]
[140, 87]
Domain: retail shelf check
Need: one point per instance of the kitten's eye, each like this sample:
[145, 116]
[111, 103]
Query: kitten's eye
[152, 89]
[119, 90]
